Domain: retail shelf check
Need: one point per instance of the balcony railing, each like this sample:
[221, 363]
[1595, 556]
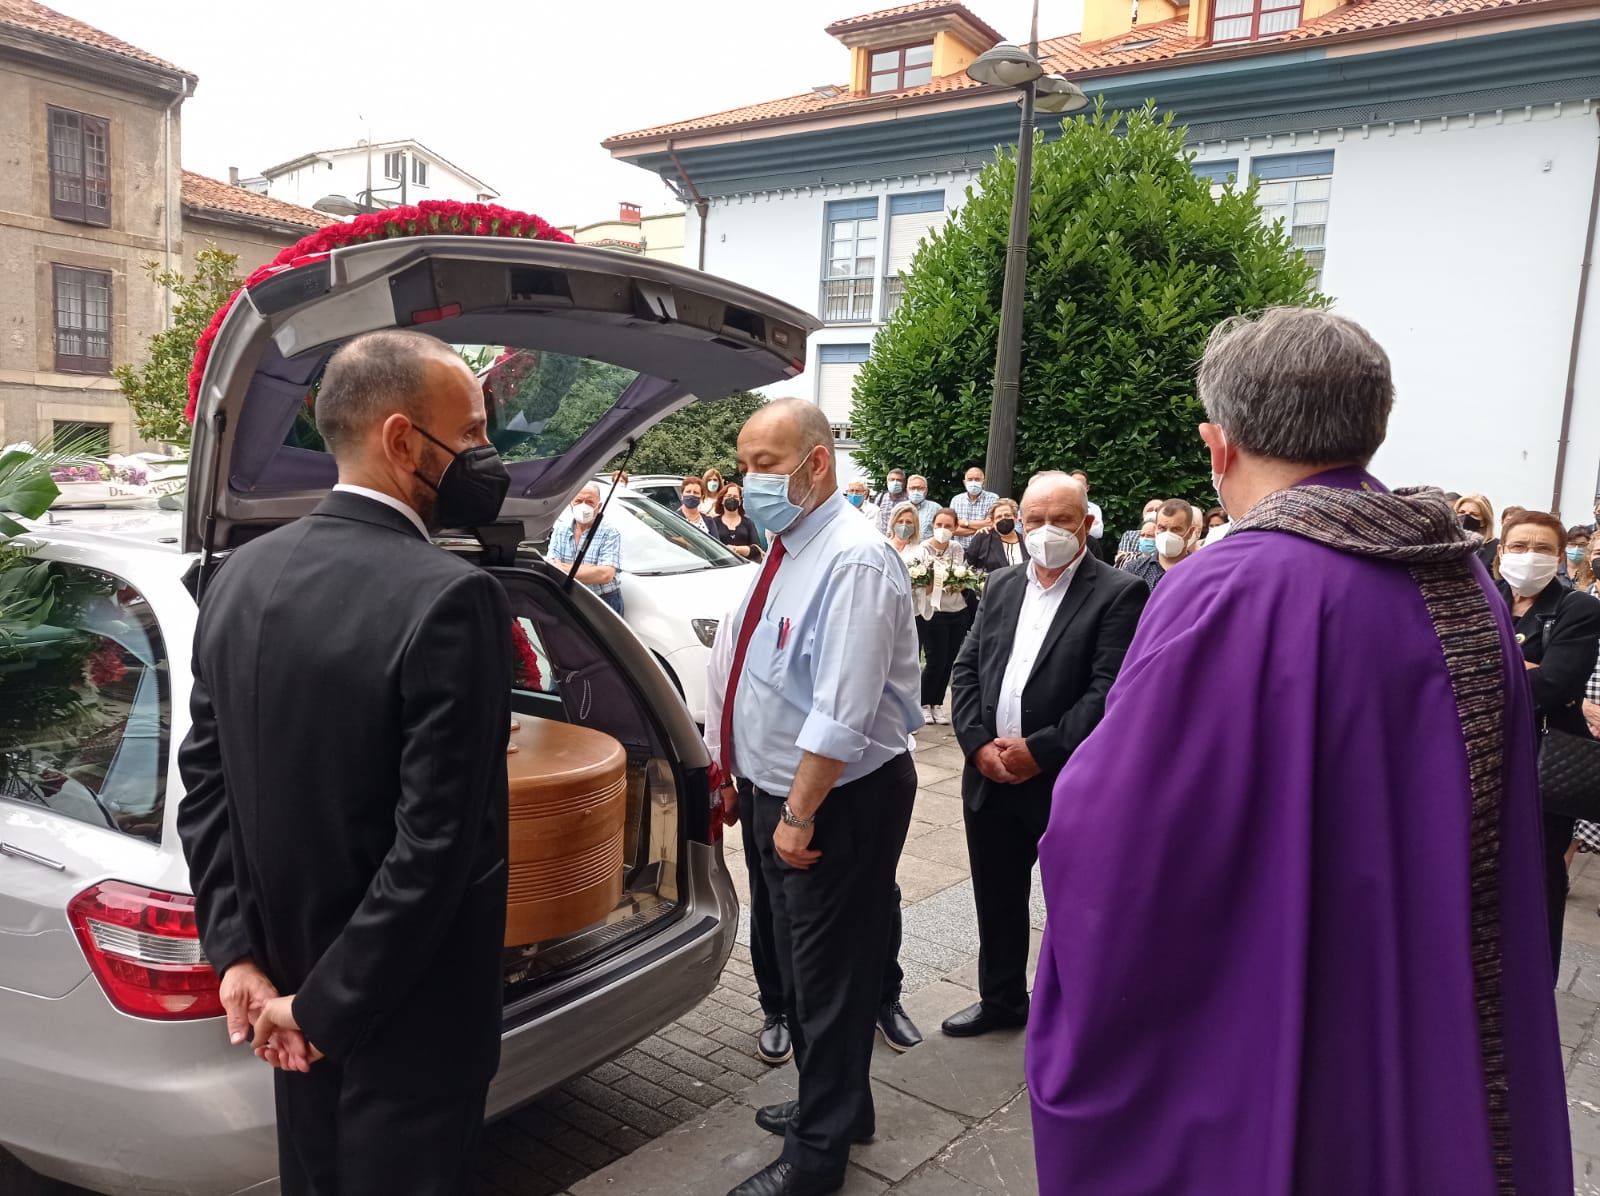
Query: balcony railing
[894, 290]
[847, 300]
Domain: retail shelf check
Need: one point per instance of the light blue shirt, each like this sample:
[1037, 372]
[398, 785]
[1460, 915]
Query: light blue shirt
[842, 680]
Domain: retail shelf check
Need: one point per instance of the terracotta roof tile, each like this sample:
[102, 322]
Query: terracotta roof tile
[918, 9]
[202, 191]
[1070, 55]
[36, 18]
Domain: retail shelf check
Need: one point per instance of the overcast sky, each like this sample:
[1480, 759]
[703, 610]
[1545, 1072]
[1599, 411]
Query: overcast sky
[519, 94]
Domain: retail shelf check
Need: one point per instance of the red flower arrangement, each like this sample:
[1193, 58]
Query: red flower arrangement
[106, 666]
[430, 217]
[528, 676]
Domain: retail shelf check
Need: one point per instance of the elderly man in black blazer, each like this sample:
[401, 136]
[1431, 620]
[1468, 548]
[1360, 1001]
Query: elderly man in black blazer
[345, 820]
[1029, 685]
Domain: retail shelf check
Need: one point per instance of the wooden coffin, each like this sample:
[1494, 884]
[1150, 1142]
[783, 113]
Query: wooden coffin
[568, 806]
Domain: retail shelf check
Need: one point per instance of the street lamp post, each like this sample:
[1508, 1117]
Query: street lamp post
[1010, 66]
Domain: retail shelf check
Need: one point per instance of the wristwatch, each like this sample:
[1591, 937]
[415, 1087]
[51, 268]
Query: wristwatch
[790, 817]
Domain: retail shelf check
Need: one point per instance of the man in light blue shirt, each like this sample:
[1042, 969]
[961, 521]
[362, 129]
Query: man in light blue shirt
[601, 571]
[820, 660]
[972, 507]
[917, 496]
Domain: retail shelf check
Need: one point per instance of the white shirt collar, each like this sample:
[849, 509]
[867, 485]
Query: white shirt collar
[1061, 583]
[389, 501]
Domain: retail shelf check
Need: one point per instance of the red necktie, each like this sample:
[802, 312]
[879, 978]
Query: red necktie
[752, 615]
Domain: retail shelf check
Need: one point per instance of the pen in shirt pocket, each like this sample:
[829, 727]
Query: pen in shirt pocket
[783, 633]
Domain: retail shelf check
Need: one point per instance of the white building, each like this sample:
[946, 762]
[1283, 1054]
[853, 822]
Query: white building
[1439, 159]
[395, 172]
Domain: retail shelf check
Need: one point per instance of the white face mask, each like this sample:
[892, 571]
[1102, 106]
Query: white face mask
[1170, 544]
[942, 535]
[1528, 573]
[1216, 478]
[582, 512]
[1053, 547]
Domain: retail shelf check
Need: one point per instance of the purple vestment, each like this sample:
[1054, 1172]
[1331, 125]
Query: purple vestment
[1256, 976]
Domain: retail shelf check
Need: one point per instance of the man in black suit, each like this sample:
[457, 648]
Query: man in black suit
[1030, 684]
[345, 820]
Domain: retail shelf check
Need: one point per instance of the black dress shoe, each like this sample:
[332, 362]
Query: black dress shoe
[980, 1019]
[785, 1179]
[775, 1120]
[774, 1045]
[898, 1030]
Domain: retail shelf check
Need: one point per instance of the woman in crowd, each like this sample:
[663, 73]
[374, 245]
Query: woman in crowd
[732, 528]
[1559, 630]
[1215, 518]
[714, 488]
[942, 615]
[1578, 570]
[1002, 545]
[1477, 515]
[691, 497]
[620, 478]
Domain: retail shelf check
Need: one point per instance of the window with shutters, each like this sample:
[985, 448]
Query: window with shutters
[1250, 20]
[82, 320]
[911, 218]
[1295, 191]
[837, 367]
[1218, 174]
[900, 68]
[394, 165]
[80, 167]
[850, 265]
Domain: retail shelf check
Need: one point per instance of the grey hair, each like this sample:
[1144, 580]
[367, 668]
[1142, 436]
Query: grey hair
[1051, 480]
[371, 378]
[1298, 384]
[1047, 473]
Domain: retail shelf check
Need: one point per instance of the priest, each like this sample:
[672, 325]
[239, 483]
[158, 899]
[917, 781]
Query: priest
[1303, 952]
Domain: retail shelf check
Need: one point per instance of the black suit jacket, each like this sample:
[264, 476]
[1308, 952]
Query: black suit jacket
[987, 551]
[1560, 633]
[345, 820]
[1066, 692]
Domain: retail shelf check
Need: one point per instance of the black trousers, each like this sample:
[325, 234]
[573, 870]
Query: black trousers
[831, 929]
[941, 637]
[1002, 847]
[763, 951]
[1557, 838]
[360, 1129]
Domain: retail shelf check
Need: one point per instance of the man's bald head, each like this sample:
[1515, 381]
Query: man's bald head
[377, 375]
[798, 422]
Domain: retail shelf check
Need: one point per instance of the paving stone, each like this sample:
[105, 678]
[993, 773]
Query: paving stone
[997, 1155]
[930, 954]
[730, 1082]
[930, 773]
[944, 845]
[699, 1066]
[778, 1085]
[641, 1117]
[920, 879]
[967, 973]
[1576, 1017]
[910, 1133]
[590, 1120]
[746, 1064]
[680, 1109]
[607, 1073]
[916, 975]
[1585, 1175]
[652, 1069]
[643, 1091]
[737, 1040]
[703, 1095]
[970, 1076]
[655, 1046]
[936, 1181]
[689, 1039]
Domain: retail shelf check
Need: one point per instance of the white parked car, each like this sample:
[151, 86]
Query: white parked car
[115, 1069]
[677, 584]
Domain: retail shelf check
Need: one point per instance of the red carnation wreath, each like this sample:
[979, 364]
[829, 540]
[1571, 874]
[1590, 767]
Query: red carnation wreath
[431, 217]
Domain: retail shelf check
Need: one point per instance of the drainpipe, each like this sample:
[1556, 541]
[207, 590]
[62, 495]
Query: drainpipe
[171, 209]
[1577, 333]
[702, 205]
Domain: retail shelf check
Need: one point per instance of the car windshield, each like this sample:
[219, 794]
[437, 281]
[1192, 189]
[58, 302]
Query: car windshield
[657, 541]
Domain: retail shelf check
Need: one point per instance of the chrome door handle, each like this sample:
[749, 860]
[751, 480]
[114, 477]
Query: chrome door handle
[19, 853]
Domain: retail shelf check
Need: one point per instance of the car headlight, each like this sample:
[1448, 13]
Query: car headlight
[705, 630]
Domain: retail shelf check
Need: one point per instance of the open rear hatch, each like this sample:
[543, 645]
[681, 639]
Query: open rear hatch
[582, 349]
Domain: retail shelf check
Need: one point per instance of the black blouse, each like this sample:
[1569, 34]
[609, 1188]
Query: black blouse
[1561, 634]
[743, 534]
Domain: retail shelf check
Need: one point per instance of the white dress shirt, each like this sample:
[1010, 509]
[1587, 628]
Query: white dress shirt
[391, 501]
[1098, 527]
[832, 663]
[1039, 606]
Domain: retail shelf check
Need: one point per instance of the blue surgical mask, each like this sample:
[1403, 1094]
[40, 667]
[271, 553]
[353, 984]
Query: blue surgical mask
[766, 499]
[896, 486]
[855, 500]
[974, 488]
[1575, 556]
[916, 496]
[1147, 544]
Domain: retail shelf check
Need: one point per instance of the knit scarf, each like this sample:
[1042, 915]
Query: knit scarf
[1417, 528]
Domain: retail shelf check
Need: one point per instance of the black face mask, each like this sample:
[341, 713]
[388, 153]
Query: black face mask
[730, 504]
[1005, 526]
[1471, 523]
[472, 486]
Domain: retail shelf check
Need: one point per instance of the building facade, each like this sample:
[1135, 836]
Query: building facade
[658, 236]
[1438, 160]
[390, 172]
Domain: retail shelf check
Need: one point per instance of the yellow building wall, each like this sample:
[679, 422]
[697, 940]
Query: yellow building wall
[951, 55]
[859, 58]
[1318, 8]
[1152, 12]
[1107, 18]
[1199, 18]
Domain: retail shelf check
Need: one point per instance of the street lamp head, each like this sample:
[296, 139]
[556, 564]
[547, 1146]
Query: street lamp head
[338, 205]
[1005, 66]
[1057, 95]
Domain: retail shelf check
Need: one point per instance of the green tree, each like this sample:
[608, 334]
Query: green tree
[158, 390]
[1131, 263]
[700, 437]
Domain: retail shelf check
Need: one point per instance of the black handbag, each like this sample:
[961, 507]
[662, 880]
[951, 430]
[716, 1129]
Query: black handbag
[1569, 775]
